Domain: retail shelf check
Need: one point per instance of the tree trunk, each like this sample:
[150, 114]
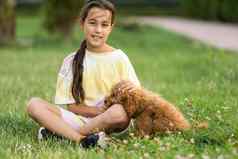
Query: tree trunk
[61, 16]
[7, 21]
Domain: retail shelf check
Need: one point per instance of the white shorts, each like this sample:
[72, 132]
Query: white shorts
[77, 121]
[73, 120]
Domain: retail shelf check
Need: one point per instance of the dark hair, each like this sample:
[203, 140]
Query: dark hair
[77, 65]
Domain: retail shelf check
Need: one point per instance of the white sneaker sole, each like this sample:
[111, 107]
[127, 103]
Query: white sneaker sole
[40, 136]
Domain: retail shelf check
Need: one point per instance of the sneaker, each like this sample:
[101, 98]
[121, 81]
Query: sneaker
[89, 141]
[103, 140]
[44, 134]
[93, 140]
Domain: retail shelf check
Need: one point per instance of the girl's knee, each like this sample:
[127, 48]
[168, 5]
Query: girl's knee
[117, 115]
[33, 105]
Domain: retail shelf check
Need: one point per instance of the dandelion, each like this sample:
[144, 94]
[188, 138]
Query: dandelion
[207, 118]
[192, 141]
[132, 135]
[167, 144]
[147, 137]
[178, 157]
[162, 148]
[23, 147]
[190, 156]
[205, 157]
[136, 145]
[125, 141]
[220, 157]
[157, 140]
[217, 150]
[168, 132]
[235, 151]
[146, 155]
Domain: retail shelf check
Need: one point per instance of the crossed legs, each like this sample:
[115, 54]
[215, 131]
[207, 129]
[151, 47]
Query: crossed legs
[49, 116]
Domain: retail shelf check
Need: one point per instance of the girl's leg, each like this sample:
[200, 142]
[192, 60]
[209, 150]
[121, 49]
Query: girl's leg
[48, 115]
[113, 118]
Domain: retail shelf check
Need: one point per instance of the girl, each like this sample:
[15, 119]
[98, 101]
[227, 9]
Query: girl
[85, 78]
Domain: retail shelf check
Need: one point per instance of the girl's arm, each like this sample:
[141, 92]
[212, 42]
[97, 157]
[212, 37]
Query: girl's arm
[84, 110]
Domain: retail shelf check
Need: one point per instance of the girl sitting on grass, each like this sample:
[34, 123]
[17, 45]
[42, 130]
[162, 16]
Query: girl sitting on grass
[85, 78]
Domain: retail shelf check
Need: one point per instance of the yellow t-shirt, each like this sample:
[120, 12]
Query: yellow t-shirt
[101, 72]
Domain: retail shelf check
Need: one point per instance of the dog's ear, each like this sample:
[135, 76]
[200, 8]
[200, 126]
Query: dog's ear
[129, 106]
[134, 108]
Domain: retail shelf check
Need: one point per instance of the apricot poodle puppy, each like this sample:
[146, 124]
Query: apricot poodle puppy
[152, 113]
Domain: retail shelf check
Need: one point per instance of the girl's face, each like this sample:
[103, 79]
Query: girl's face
[97, 26]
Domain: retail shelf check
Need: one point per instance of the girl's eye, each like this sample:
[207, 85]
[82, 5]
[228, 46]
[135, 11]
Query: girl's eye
[105, 25]
[92, 23]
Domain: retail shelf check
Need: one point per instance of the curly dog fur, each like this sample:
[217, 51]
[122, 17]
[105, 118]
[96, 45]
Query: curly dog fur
[152, 113]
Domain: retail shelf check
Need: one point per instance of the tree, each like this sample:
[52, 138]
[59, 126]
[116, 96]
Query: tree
[223, 10]
[60, 16]
[7, 21]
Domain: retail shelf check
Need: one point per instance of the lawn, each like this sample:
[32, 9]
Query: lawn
[202, 81]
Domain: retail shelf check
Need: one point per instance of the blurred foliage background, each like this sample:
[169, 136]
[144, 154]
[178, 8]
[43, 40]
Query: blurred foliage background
[221, 10]
[60, 16]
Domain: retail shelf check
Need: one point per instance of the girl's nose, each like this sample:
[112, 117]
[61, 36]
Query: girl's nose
[98, 29]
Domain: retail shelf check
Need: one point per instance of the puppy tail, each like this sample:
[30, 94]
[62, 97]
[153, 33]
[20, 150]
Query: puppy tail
[200, 125]
[184, 125]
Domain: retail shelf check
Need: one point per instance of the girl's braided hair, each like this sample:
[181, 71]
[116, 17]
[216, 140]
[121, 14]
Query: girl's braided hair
[77, 65]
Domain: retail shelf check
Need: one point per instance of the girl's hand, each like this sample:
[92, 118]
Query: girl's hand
[124, 86]
[101, 109]
[101, 106]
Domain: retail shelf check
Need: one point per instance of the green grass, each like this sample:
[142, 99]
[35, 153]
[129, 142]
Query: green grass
[200, 80]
